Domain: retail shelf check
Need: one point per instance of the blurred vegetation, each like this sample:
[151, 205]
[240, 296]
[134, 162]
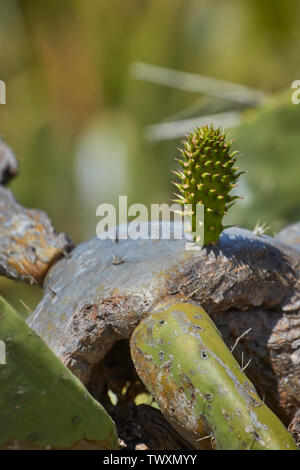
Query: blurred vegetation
[76, 118]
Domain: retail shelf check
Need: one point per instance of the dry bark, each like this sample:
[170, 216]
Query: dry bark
[291, 235]
[294, 427]
[29, 245]
[245, 281]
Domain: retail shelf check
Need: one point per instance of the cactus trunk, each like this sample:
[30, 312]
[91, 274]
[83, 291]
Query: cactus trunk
[180, 356]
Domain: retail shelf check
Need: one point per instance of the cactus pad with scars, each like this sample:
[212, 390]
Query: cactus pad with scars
[208, 175]
[180, 356]
[42, 404]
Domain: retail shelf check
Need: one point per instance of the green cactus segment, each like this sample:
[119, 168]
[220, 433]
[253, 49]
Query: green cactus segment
[180, 356]
[208, 174]
[42, 404]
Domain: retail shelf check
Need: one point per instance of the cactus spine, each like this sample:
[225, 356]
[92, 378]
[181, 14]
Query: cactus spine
[42, 404]
[208, 174]
[180, 356]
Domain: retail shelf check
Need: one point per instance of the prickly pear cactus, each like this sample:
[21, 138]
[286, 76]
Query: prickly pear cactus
[180, 356]
[208, 174]
[42, 404]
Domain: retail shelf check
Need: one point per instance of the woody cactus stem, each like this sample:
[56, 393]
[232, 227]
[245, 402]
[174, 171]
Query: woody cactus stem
[180, 356]
[208, 174]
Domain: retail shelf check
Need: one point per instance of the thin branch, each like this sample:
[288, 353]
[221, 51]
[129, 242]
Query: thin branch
[239, 338]
[25, 306]
[196, 83]
[205, 437]
[175, 129]
[245, 367]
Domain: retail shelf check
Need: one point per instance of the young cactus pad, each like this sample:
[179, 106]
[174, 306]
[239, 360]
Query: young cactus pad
[208, 174]
[180, 356]
[42, 404]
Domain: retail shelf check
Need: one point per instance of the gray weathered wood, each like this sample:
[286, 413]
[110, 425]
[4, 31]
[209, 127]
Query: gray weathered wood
[291, 235]
[29, 245]
[245, 281]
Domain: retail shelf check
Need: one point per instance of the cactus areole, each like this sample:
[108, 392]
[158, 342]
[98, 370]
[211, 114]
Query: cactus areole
[208, 174]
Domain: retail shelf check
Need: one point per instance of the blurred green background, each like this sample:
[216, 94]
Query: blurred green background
[76, 118]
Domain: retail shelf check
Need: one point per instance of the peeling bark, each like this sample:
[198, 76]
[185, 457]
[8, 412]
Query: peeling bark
[29, 245]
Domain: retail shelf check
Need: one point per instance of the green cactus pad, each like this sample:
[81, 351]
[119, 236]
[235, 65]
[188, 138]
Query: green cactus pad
[207, 176]
[42, 404]
[180, 356]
